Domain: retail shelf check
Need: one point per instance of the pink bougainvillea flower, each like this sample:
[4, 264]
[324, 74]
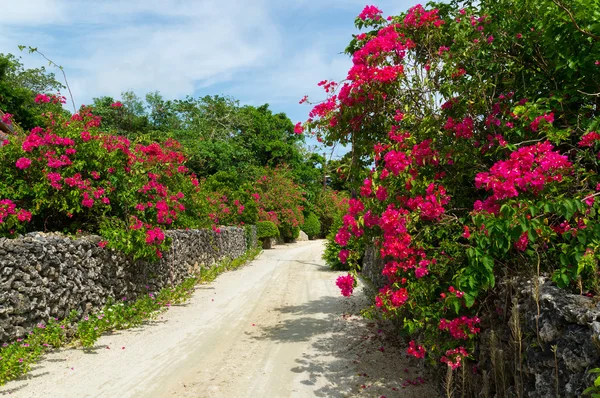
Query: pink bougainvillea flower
[23, 163]
[522, 242]
[415, 351]
[7, 118]
[24, 215]
[466, 233]
[42, 98]
[346, 284]
[343, 255]
[589, 139]
[87, 201]
[298, 129]
[453, 357]
[370, 12]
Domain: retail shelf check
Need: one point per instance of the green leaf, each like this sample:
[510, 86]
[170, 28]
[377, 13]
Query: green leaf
[456, 305]
[469, 300]
[488, 263]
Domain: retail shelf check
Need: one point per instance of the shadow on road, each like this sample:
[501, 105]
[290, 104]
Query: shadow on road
[302, 322]
[348, 354]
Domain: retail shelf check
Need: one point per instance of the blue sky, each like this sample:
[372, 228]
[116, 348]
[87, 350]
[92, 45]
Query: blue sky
[260, 51]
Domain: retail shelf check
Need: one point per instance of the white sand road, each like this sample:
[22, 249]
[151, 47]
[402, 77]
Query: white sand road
[277, 327]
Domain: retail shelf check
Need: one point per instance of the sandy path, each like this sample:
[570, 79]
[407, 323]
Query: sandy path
[275, 328]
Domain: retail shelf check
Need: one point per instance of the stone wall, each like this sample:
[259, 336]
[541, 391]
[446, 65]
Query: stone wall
[568, 324]
[558, 348]
[48, 275]
[372, 267]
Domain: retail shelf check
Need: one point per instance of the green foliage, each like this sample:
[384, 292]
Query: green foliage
[479, 120]
[76, 177]
[594, 391]
[129, 120]
[328, 205]
[248, 232]
[280, 200]
[266, 229]
[332, 249]
[312, 226]
[20, 355]
[19, 87]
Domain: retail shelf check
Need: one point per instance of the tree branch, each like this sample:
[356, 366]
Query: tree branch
[35, 50]
[563, 7]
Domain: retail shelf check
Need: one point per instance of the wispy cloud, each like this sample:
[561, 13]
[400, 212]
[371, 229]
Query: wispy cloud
[260, 51]
[108, 47]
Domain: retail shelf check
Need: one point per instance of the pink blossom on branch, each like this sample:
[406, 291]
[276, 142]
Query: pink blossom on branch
[346, 284]
[23, 163]
[42, 98]
[343, 255]
[454, 357]
[589, 139]
[155, 236]
[24, 215]
[7, 118]
[528, 169]
[298, 129]
[522, 242]
[415, 350]
[370, 12]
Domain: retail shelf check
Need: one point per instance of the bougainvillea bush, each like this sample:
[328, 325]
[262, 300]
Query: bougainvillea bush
[280, 200]
[480, 119]
[68, 176]
[226, 208]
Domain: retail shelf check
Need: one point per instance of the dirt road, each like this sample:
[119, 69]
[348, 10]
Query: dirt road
[277, 327]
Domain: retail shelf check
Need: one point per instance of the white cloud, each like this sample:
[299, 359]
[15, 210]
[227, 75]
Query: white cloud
[32, 12]
[170, 46]
[261, 51]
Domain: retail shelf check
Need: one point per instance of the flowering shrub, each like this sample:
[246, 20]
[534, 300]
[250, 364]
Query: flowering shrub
[336, 255]
[481, 166]
[69, 175]
[220, 209]
[280, 200]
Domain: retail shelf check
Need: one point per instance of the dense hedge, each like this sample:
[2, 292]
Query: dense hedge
[266, 229]
[312, 226]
